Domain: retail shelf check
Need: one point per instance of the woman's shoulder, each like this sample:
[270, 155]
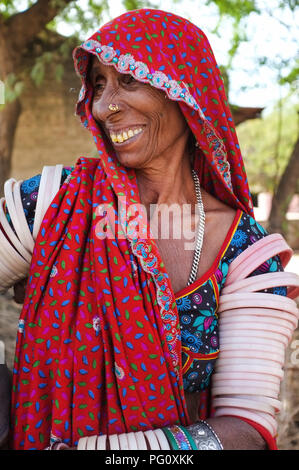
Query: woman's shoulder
[245, 232]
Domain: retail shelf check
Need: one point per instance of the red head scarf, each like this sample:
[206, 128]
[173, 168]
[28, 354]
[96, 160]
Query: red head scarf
[98, 348]
[174, 55]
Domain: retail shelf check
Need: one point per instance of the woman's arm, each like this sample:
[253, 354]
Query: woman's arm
[5, 393]
[236, 434]
[233, 433]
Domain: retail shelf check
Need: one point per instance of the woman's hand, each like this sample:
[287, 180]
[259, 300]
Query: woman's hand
[19, 291]
[5, 393]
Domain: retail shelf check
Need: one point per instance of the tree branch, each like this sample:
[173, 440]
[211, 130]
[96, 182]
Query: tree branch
[35, 18]
[284, 192]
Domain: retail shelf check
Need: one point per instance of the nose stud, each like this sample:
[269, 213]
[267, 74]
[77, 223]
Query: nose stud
[113, 107]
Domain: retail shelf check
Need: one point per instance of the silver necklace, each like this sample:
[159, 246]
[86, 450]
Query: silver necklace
[200, 233]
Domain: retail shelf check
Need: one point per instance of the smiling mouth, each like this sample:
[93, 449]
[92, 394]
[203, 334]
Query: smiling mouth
[124, 135]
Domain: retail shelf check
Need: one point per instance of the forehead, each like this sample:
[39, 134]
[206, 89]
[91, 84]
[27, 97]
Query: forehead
[96, 67]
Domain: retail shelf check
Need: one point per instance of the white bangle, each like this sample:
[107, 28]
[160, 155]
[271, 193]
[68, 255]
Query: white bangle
[164, 445]
[132, 442]
[253, 326]
[239, 402]
[19, 265]
[123, 441]
[248, 346]
[277, 405]
[102, 442]
[229, 390]
[82, 443]
[7, 275]
[114, 442]
[12, 236]
[278, 358]
[49, 189]
[141, 442]
[250, 334]
[45, 186]
[56, 181]
[11, 188]
[91, 443]
[152, 440]
[254, 319]
[247, 361]
[250, 384]
[28, 239]
[10, 204]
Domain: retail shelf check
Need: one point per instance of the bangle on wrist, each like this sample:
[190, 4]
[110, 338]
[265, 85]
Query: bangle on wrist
[179, 438]
[162, 439]
[152, 440]
[204, 436]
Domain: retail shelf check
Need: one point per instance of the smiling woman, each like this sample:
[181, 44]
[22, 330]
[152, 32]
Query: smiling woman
[119, 337]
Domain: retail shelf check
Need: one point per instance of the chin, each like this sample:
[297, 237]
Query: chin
[130, 161]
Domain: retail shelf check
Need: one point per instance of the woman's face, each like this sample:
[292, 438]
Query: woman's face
[148, 126]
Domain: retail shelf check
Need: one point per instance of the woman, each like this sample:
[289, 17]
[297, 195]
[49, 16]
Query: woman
[112, 340]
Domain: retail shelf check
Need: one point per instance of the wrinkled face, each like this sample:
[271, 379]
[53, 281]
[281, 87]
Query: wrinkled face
[146, 127]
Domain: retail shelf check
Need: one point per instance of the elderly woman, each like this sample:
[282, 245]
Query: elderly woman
[119, 333]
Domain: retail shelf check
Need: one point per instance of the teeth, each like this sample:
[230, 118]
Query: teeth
[122, 137]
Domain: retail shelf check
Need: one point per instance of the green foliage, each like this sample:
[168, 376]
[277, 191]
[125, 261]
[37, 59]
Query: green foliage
[135, 4]
[236, 9]
[266, 158]
[13, 87]
[38, 70]
[292, 77]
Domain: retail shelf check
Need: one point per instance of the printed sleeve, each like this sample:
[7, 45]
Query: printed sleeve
[248, 232]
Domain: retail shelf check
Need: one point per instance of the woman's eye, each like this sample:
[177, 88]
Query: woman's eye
[98, 86]
[128, 79]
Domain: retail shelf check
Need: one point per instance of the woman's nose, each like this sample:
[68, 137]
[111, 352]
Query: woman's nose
[109, 96]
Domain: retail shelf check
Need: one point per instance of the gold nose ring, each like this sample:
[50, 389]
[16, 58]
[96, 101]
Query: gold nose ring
[113, 107]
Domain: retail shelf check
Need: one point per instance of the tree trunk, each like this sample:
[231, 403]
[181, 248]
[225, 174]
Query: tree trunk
[16, 33]
[9, 117]
[284, 193]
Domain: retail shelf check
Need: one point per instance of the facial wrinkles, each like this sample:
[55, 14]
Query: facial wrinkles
[140, 104]
[156, 130]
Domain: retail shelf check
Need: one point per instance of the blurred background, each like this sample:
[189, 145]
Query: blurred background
[256, 45]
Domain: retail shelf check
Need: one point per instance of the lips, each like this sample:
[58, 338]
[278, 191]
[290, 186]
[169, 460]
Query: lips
[122, 135]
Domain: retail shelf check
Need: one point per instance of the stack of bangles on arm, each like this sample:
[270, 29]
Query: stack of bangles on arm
[255, 328]
[16, 240]
[198, 436]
